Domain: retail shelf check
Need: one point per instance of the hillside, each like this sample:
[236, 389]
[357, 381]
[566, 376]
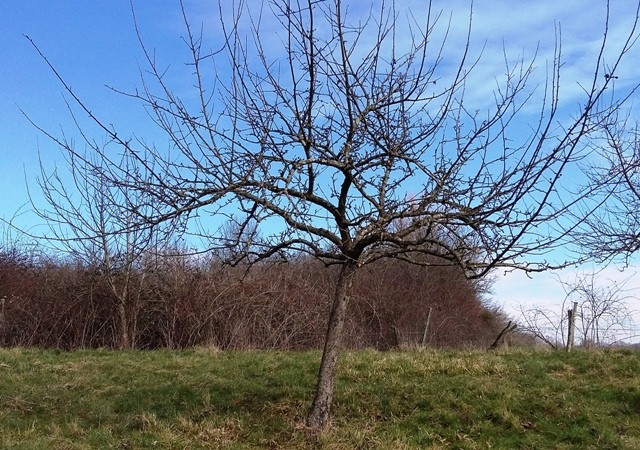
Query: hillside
[389, 400]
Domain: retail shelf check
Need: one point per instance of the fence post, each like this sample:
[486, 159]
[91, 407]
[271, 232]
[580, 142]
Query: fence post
[3, 301]
[396, 332]
[510, 328]
[426, 328]
[572, 326]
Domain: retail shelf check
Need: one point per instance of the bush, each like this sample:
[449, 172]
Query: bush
[185, 302]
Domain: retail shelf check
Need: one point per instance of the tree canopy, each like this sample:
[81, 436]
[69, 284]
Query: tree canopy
[353, 140]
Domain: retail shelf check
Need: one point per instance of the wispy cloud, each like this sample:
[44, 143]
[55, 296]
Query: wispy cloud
[522, 31]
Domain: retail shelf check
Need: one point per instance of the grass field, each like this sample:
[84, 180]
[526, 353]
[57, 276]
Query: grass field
[414, 399]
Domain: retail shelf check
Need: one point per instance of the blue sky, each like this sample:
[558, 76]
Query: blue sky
[93, 44]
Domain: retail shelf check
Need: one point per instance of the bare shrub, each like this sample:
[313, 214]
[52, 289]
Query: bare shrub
[189, 301]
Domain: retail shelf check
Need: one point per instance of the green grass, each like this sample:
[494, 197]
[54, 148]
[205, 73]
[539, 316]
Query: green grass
[395, 400]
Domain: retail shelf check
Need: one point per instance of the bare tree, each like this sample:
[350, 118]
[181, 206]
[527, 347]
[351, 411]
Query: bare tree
[545, 325]
[613, 230]
[91, 219]
[353, 140]
[603, 317]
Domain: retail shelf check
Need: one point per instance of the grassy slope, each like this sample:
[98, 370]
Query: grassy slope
[196, 399]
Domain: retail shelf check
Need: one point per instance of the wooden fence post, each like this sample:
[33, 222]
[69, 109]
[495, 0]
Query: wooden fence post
[396, 332]
[510, 328]
[572, 326]
[3, 301]
[426, 328]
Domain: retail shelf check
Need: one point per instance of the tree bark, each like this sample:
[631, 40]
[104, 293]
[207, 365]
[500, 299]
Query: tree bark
[320, 411]
[125, 338]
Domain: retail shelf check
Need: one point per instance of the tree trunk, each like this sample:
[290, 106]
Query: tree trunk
[125, 338]
[320, 411]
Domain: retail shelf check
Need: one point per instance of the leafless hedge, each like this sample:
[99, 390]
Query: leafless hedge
[185, 302]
